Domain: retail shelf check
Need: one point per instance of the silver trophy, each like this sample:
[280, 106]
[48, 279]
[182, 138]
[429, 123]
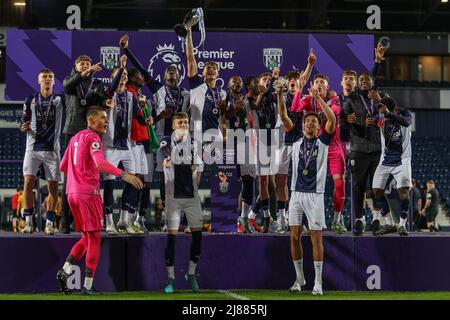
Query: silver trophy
[190, 19]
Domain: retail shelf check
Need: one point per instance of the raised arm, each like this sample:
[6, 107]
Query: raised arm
[331, 118]
[282, 110]
[192, 64]
[311, 61]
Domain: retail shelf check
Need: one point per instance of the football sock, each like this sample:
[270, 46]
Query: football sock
[298, 264]
[88, 282]
[318, 265]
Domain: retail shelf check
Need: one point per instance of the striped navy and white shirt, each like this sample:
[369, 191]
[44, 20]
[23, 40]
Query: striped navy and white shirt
[205, 114]
[396, 139]
[45, 116]
[119, 128]
[180, 177]
[309, 161]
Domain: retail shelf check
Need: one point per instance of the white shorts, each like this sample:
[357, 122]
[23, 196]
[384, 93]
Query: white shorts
[285, 159]
[401, 174]
[140, 158]
[247, 170]
[148, 177]
[49, 159]
[115, 156]
[190, 206]
[268, 163]
[312, 204]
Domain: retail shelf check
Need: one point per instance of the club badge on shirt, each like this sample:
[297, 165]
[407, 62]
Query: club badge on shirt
[96, 146]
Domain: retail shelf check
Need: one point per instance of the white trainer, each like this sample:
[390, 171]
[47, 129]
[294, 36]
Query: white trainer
[317, 290]
[111, 230]
[49, 230]
[28, 229]
[296, 287]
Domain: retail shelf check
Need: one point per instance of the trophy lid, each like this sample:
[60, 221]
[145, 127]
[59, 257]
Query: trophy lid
[180, 30]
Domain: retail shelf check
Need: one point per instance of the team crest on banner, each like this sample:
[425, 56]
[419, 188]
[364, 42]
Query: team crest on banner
[110, 56]
[164, 57]
[273, 57]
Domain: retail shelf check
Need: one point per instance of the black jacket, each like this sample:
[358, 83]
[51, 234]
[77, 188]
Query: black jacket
[75, 112]
[363, 139]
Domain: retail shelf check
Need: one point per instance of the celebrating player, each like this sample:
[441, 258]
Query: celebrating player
[118, 149]
[181, 174]
[336, 161]
[396, 161]
[309, 168]
[82, 162]
[42, 116]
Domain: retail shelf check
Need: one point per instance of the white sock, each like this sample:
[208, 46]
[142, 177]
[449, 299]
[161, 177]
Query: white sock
[318, 269]
[171, 272]
[109, 219]
[388, 219]
[191, 269]
[336, 217]
[29, 220]
[266, 213]
[245, 209]
[48, 223]
[281, 215]
[67, 267]
[298, 264]
[403, 222]
[131, 218]
[251, 215]
[88, 283]
[363, 219]
[123, 217]
[376, 215]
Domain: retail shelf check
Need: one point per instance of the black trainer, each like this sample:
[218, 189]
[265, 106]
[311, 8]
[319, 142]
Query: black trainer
[266, 225]
[375, 226]
[359, 228]
[89, 292]
[402, 231]
[62, 277]
[385, 230]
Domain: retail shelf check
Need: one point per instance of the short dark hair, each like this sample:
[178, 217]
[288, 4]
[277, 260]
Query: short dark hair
[366, 74]
[180, 115]
[314, 114]
[83, 57]
[294, 74]
[132, 72]
[93, 111]
[321, 76]
[249, 80]
[46, 70]
[211, 63]
[430, 181]
[389, 102]
[349, 72]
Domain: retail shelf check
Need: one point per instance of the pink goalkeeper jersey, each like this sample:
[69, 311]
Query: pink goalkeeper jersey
[308, 104]
[82, 162]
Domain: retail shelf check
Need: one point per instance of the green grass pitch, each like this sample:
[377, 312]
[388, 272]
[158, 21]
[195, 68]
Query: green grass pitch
[237, 295]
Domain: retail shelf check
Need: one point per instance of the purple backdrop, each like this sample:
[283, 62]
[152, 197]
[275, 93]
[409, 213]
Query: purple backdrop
[29, 51]
[413, 263]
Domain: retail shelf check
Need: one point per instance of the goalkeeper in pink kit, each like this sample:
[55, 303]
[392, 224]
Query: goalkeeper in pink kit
[82, 163]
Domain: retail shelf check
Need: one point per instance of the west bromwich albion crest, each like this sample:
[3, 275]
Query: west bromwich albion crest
[273, 57]
[110, 56]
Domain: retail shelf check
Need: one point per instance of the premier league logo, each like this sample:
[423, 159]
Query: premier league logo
[164, 57]
[110, 56]
[273, 57]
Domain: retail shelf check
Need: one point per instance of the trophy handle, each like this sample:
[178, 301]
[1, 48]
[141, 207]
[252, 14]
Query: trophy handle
[180, 30]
